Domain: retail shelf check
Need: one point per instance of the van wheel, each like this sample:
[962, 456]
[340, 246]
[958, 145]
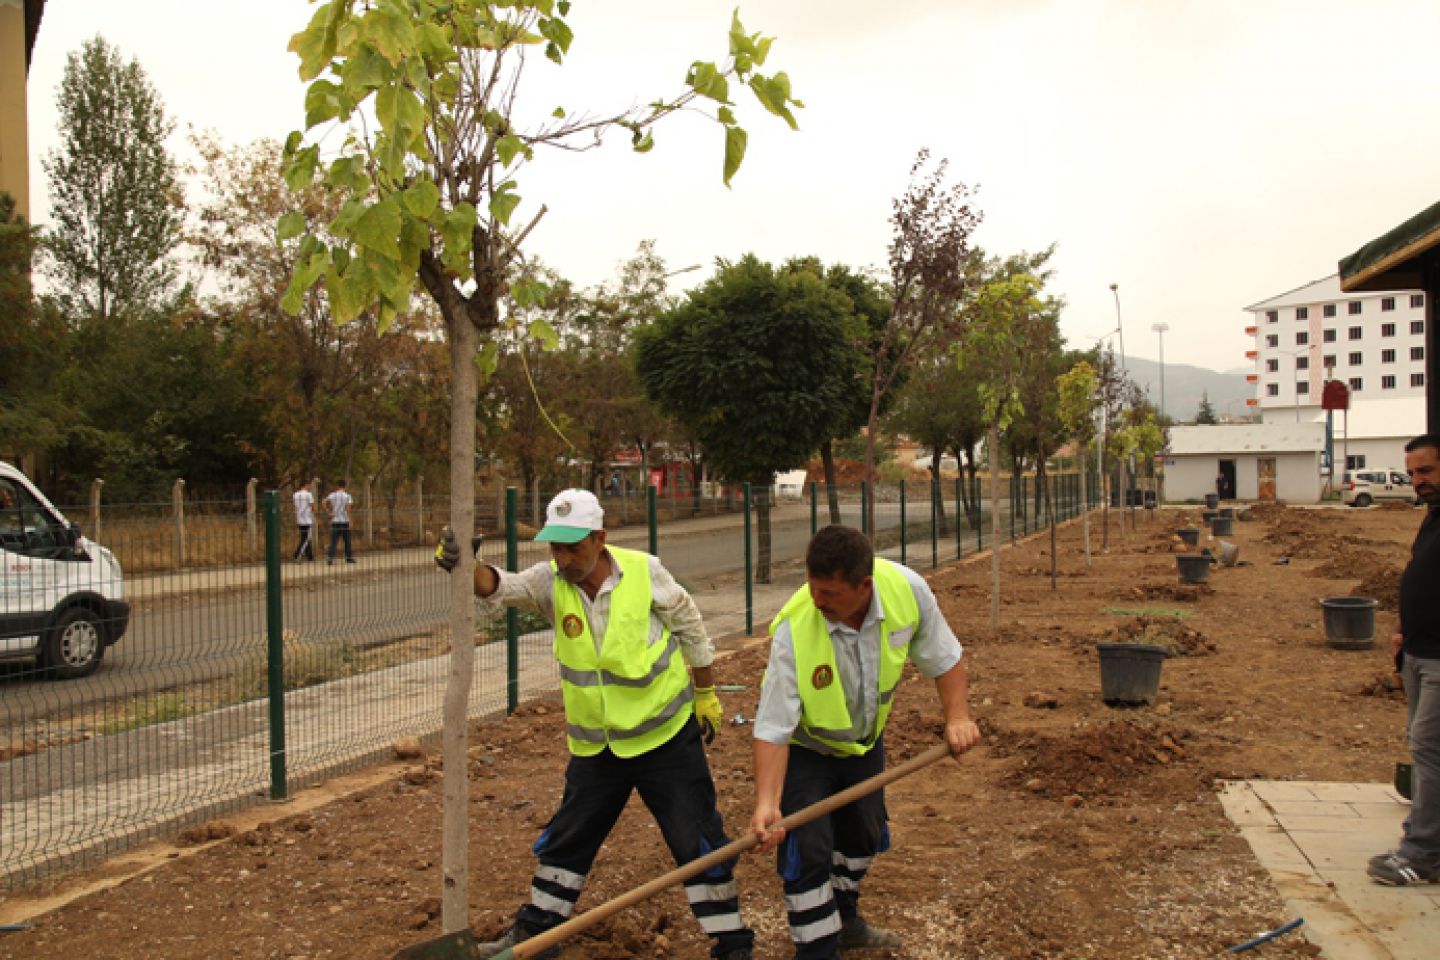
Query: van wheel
[74, 646]
[1363, 500]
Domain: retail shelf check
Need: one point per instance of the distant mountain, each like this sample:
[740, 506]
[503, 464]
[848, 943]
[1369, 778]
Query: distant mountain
[1185, 384]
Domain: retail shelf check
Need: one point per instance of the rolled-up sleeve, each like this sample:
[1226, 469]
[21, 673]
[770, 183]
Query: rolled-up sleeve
[532, 590]
[778, 713]
[676, 609]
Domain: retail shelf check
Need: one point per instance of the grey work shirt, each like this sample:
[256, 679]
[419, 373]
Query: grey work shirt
[934, 650]
[671, 606]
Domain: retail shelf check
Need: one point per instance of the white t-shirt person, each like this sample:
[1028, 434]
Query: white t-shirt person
[304, 507]
[338, 503]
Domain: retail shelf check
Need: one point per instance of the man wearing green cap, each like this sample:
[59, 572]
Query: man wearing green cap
[634, 717]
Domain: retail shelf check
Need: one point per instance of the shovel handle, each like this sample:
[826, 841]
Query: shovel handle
[527, 949]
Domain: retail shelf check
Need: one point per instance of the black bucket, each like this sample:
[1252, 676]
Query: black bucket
[1193, 567]
[1222, 527]
[1207, 515]
[1349, 622]
[1212, 500]
[1227, 512]
[1190, 536]
[1130, 672]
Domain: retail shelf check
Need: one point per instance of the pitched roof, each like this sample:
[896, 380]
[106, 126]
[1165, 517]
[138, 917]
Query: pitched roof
[34, 10]
[1390, 261]
[1247, 438]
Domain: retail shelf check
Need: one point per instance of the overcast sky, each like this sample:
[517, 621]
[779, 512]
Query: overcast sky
[1202, 154]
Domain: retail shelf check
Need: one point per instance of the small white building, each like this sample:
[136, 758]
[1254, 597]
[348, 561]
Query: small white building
[1246, 461]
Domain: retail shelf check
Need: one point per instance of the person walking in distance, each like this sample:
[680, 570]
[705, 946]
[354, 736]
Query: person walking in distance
[837, 650]
[1415, 645]
[639, 696]
[304, 520]
[337, 505]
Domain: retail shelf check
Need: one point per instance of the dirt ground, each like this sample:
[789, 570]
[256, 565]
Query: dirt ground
[1077, 830]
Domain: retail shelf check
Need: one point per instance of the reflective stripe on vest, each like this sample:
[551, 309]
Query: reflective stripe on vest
[631, 695]
[825, 722]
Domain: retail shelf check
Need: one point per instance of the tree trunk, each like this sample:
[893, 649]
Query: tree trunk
[1085, 507]
[832, 491]
[941, 523]
[762, 532]
[994, 528]
[455, 866]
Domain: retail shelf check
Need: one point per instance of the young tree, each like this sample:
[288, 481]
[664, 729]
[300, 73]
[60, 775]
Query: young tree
[929, 250]
[115, 199]
[1077, 401]
[431, 197]
[1206, 413]
[744, 363]
[939, 408]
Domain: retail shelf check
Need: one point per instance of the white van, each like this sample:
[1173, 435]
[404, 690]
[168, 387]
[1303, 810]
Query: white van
[61, 596]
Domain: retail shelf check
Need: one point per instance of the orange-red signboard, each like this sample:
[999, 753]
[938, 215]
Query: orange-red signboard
[1336, 396]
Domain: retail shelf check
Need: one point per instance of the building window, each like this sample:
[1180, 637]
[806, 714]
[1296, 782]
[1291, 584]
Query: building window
[1302, 388]
[1417, 300]
[1272, 389]
[1302, 363]
[1302, 313]
[1273, 340]
[1357, 384]
[1355, 333]
[1356, 359]
[1329, 310]
[1387, 329]
[1272, 316]
[1355, 462]
[1387, 383]
[1271, 366]
[1329, 336]
[1417, 379]
[1328, 361]
[1387, 356]
[1417, 326]
[1417, 353]
[1302, 338]
[1354, 308]
[1387, 304]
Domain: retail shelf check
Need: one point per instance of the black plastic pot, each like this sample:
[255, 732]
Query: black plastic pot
[1349, 622]
[1130, 673]
[1222, 526]
[1212, 501]
[1190, 536]
[1193, 567]
[1227, 512]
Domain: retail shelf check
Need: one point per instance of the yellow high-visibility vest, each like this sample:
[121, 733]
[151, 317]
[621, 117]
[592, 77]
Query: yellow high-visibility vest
[825, 723]
[630, 695]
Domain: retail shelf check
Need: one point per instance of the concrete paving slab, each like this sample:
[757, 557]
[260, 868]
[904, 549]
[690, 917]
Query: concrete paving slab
[1314, 839]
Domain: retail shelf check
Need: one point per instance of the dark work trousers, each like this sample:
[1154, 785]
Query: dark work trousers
[337, 531]
[823, 862]
[304, 548]
[674, 782]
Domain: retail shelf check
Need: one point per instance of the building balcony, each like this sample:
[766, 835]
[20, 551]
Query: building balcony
[1252, 402]
[1252, 378]
[1251, 331]
[1252, 354]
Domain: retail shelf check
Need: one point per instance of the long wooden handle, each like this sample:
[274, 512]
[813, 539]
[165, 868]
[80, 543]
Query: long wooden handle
[540, 942]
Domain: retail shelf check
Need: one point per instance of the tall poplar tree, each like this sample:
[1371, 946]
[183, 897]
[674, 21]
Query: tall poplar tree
[113, 187]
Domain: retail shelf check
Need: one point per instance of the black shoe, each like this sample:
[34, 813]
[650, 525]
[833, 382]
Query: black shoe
[856, 934]
[508, 940]
[349, 560]
[740, 953]
[1397, 871]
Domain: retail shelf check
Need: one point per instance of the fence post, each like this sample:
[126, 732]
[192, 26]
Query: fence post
[512, 616]
[95, 486]
[903, 529]
[250, 537]
[420, 510]
[976, 497]
[275, 646]
[177, 499]
[749, 570]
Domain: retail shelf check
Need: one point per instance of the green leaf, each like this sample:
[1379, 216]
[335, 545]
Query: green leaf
[322, 103]
[487, 360]
[307, 271]
[348, 174]
[315, 45]
[642, 143]
[542, 331]
[459, 232]
[366, 70]
[421, 197]
[529, 293]
[300, 171]
[289, 226]
[774, 94]
[558, 113]
[558, 32]
[740, 44]
[400, 113]
[378, 228]
[390, 32]
[503, 202]
[707, 80]
[433, 43]
[507, 147]
[726, 116]
[735, 142]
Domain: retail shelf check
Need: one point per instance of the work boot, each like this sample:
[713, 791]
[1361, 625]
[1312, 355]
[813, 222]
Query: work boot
[856, 934]
[508, 939]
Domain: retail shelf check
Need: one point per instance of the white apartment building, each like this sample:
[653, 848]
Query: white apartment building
[1374, 342]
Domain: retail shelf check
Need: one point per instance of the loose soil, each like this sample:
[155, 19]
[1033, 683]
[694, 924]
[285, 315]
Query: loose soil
[1075, 830]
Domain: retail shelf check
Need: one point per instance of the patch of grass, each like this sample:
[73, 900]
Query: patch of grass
[150, 709]
[1175, 613]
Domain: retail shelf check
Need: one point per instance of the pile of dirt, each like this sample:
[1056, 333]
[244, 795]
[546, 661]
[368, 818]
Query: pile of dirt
[1176, 592]
[1093, 761]
[1383, 585]
[1171, 633]
[1350, 565]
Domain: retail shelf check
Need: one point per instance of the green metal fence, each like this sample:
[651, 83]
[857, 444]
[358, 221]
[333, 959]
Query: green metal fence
[245, 675]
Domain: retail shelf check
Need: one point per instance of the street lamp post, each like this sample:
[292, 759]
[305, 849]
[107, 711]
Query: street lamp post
[1161, 328]
[1119, 324]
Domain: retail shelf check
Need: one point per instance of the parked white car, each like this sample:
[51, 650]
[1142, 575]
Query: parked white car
[1364, 487]
[61, 595]
[948, 464]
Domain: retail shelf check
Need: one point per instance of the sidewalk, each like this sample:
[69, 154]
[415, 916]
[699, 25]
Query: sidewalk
[1315, 839]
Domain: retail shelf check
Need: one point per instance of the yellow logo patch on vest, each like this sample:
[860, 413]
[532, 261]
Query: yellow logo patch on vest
[822, 677]
[572, 626]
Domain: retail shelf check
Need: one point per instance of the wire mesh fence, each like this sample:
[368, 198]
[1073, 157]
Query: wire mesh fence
[184, 720]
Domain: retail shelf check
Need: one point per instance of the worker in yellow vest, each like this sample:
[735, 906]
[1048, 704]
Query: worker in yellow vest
[837, 651]
[628, 639]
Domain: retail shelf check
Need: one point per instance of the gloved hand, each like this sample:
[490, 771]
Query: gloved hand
[708, 712]
[447, 551]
